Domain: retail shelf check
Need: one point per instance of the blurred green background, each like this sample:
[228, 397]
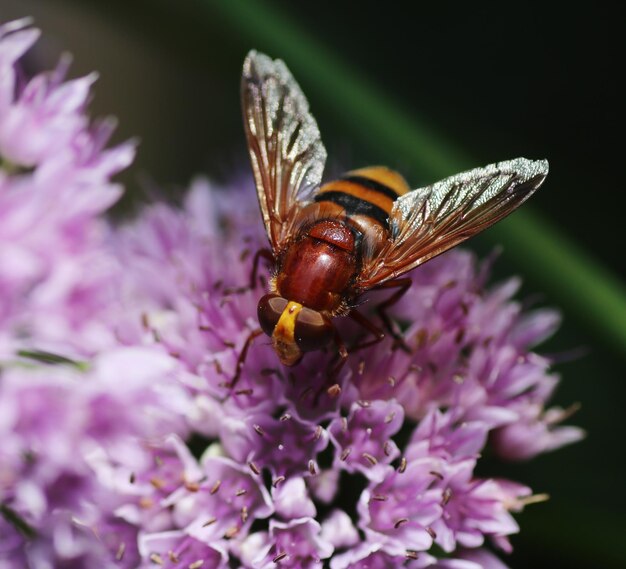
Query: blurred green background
[430, 91]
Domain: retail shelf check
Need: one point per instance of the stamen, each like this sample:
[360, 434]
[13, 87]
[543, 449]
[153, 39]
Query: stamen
[312, 468]
[410, 554]
[119, 554]
[345, 454]
[209, 522]
[146, 503]
[421, 338]
[259, 430]
[447, 494]
[215, 488]
[431, 532]
[279, 557]
[387, 448]
[400, 522]
[254, 468]
[196, 564]
[231, 532]
[285, 417]
[534, 499]
[192, 486]
[279, 480]
[334, 391]
[318, 432]
[402, 466]
[567, 413]
[156, 558]
[380, 497]
[172, 556]
[370, 458]
[241, 492]
[244, 514]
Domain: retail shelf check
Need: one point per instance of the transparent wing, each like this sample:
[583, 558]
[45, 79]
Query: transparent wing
[284, 142]
[431, 220]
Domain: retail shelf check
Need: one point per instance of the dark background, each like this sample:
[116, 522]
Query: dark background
[493, 79]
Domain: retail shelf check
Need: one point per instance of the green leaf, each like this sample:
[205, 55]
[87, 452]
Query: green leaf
[50, 358]
[13, 518]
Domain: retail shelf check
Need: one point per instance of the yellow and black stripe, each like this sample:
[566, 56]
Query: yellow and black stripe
[368, 191]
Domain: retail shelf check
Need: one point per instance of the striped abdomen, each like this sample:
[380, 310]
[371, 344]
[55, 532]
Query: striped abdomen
[367, 196]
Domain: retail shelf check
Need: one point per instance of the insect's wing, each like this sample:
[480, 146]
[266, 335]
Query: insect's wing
[431, 220]
[284, 142]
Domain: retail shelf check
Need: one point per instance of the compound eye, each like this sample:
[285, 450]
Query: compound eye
[270, 308]
[313, 330]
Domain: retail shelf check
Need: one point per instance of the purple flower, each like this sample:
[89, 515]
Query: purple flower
[287, 446]
[134, 431]
[438, 434]
[398, 512]
[174, 549]
[371, 556]
[471, 559]
[295, 544]
[363, 439]
[54, 180]
[223, 505]
[291, 499]
[472, 509]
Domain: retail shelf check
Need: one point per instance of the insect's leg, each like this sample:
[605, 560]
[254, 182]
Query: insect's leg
[268, 256]
[242, 356]
[402, 285]
[370, 327]
[330, 386]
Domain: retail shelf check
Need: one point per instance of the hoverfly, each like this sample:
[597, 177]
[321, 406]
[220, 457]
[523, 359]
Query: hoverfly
[331, 243]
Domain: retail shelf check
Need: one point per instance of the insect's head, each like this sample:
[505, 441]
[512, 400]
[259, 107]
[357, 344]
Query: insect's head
[294, 329]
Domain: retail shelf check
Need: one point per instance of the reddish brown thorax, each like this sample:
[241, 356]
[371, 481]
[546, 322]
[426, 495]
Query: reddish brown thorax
[318, 267]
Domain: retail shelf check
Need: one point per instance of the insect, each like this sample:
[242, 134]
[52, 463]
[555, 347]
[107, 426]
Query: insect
[331, 243]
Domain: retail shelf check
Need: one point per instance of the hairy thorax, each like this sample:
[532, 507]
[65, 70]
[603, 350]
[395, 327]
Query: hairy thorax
[318, 268]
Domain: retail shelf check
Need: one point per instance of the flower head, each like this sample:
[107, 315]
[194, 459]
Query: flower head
[144, 421]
